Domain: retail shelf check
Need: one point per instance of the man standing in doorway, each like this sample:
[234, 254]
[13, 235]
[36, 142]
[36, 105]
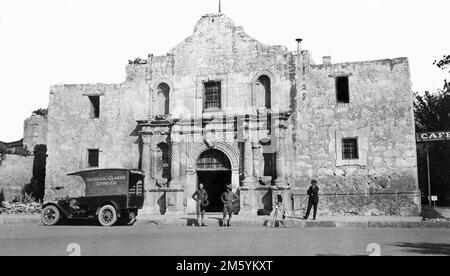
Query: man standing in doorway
[201, 196]
[313, 200]
[228, 198]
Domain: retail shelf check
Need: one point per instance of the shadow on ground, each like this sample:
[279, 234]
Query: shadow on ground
[336, 255]
[425, 248]
[88, 222]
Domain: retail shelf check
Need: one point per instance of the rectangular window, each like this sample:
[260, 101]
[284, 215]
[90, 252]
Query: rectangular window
[93, 158]
[269, 164]
[95, 106]
[212, 95]
[350, 149]
[342, 90]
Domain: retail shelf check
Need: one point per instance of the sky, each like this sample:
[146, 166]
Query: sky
[50, 42]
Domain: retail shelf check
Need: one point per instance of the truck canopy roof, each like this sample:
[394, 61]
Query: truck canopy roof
[81, 173]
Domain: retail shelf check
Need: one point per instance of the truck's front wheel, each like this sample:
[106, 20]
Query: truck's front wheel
[50, 215]
[107, 216]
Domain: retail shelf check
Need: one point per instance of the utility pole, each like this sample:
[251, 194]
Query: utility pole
[220, 6]
[429, 177]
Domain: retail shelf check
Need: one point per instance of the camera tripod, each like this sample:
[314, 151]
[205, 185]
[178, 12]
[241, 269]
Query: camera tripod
[278, 206]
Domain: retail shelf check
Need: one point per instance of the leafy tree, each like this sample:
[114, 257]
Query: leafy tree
[432, 113]
[41, 112]
[3, 148]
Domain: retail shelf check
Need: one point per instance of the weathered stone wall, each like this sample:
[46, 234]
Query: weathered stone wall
[218, 50]
[15, 172]
[382, 181]
[380, 114]
[35, 132]
[71, 130]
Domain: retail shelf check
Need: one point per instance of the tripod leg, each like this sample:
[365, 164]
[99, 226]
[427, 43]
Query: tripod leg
[290, 217]
[274, 217]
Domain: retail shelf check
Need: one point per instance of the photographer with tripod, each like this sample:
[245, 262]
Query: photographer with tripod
[313, 199]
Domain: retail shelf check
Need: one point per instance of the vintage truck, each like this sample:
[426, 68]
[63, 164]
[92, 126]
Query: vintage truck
[111, 195]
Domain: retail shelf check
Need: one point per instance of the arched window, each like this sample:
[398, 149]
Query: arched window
[163, 99]
[264, 94]
[213, 160]
[163, 161]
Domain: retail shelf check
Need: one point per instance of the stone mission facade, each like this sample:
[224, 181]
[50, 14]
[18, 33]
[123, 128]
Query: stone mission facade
[222, 108]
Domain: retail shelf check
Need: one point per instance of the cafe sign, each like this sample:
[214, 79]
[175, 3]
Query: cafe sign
[433, 136]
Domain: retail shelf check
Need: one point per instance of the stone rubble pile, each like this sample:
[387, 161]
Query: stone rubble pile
[20, 208]
[437, 220]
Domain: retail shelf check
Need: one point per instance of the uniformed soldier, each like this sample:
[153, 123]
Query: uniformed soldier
[228, 198]
[313, 200]
[201, 196]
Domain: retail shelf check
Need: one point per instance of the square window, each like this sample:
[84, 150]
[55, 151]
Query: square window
[95, 106]
[93, 158]
[350, 149]
[342, 90]
[212, 95]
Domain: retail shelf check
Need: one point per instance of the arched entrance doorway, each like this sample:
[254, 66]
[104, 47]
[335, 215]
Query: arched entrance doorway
[214, 171]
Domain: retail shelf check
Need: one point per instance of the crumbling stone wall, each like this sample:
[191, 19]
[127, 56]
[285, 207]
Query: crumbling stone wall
[15, 172]
[218, 50]
[382, 181]
[71, 131]
[380, 114]
[35, 132]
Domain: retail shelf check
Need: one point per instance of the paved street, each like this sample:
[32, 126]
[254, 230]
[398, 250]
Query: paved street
[34, 239]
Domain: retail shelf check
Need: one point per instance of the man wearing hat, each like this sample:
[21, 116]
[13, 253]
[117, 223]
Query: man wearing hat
[313, 200]
[201, 196]
[228, 198]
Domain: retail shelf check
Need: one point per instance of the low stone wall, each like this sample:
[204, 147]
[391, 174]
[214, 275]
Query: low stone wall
[375, 204]
[16, 171]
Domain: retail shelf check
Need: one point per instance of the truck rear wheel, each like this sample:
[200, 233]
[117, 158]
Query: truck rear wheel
[107, 216]
[50, 215]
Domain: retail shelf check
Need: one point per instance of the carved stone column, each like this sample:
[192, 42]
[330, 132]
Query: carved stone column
[174, 164]
[257, 160]
[281, 180]
[249, 179]
[146, 163]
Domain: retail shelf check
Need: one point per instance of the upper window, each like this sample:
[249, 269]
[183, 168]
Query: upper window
[163, 99]
[264, 95]
[350, 149]
[212, 95]
[269, 164]
[95, 106]
[93, 158]
[342, 90]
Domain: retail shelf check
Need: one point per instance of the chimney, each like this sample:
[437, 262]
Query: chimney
[299, 44]
[327, 60]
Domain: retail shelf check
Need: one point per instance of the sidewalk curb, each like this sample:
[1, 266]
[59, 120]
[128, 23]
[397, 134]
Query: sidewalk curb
[256, 222]
[6, 220]
[301, 223]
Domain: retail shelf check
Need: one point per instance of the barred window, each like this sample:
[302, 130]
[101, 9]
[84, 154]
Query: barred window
[93, 158]
[350, 149]
[212, 95]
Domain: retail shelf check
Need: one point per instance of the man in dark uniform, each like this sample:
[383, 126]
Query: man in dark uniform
[201, 196]
[313, 200]
[228, 198]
